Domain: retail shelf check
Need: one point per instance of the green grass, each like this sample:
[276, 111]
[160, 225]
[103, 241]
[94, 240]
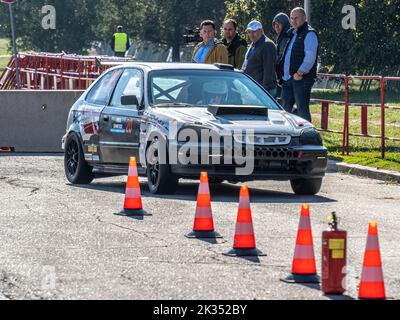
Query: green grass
[363, 151]
[4, 53]
[3, 62]
[4, 47]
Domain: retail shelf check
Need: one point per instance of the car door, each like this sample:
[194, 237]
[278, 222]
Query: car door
[89, 112]
[120, 124]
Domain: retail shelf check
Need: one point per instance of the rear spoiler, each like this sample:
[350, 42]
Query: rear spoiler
[238, 110]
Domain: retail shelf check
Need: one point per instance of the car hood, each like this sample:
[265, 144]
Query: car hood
[277, 122]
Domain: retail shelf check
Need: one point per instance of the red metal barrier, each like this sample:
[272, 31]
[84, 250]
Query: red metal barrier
[325, 107]
[49, 71]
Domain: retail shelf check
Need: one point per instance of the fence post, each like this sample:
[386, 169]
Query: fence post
[325, 116]
[364, 120]
[383, 117]
[346, 132]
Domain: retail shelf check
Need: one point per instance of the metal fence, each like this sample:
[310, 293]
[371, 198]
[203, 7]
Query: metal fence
[346, 104]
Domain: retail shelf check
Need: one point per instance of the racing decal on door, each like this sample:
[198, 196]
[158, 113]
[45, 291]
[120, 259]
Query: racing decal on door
[122, 126]
[117, 128]
[129, 126]
[89, 121]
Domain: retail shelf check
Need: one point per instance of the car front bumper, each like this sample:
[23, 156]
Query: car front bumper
[265, 163]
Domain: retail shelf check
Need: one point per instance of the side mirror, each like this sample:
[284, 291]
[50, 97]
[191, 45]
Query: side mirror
[129, 101]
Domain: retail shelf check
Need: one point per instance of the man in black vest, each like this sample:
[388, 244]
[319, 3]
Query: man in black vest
[300, 64]
[237, 47]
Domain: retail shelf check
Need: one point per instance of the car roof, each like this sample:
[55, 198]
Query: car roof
[170, 66]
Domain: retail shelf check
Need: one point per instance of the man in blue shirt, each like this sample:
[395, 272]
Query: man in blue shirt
[210, 51]
[300, 65]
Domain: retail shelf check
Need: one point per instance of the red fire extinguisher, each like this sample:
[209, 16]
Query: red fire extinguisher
[334, 256]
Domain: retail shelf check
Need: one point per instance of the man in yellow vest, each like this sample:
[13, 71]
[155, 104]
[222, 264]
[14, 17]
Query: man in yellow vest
[120, 42]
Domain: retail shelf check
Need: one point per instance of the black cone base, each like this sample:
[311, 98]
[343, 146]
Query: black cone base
[300, 278]
[244, 253]
[133, 213]
[203, 235]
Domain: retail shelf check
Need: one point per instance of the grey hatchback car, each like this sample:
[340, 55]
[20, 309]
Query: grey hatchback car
[182, 119]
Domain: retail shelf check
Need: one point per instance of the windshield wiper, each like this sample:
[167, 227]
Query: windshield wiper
[174, 105]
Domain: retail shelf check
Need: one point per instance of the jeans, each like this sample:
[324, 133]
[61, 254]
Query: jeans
[298, 92]
[278, 94]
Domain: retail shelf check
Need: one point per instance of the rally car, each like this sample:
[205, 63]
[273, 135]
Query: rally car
[182, 119]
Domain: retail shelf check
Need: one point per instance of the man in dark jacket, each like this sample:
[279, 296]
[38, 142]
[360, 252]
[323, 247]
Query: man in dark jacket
[281, 26]
[237, 47]
[300, 65]
[260, 61]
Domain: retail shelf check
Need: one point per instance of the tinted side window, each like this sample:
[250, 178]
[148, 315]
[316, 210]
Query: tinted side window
[129, 84]
[101, 92]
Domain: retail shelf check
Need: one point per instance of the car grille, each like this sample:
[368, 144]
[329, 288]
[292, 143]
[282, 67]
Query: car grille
[275, 153]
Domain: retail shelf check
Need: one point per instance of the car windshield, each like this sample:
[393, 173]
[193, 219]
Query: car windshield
[202, 88]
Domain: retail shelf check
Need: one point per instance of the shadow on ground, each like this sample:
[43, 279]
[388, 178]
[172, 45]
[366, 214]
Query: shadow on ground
[220, 193]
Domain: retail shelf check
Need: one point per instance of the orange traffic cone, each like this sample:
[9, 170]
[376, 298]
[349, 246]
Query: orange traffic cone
[304, 268]
[133, 198]
[372, 283]
[203, 222]
[245, 241]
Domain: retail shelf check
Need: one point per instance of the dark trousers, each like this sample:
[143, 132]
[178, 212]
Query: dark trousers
[119, 54]
[278, 94]
[298, 92]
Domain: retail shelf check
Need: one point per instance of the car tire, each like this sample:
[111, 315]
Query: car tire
[306, 187]
[76, 168]
[160, 180]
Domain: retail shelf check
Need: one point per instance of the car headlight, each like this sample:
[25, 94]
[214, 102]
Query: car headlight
[311, 137]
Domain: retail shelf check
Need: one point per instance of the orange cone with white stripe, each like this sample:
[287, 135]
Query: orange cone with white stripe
[372, 283]
[245, 240]
[203, 222]
[133, 198]
[304, 268]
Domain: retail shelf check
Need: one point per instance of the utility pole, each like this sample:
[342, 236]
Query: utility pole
[14, 42]
[307, 8]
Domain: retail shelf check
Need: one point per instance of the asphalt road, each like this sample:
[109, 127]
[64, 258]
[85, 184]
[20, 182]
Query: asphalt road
[63, 242]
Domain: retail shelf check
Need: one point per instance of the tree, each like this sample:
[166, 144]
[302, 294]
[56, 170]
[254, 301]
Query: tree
[74, 25]
[3, 21]
[373, 47]
[159, 21]
[263, 10]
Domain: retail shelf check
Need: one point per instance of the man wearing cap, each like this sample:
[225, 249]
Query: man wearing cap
[281, 25]
[209, 51]
[120, 42]
[300, 65]
[260, 59]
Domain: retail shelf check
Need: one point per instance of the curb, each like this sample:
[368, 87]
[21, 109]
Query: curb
[362, 171]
